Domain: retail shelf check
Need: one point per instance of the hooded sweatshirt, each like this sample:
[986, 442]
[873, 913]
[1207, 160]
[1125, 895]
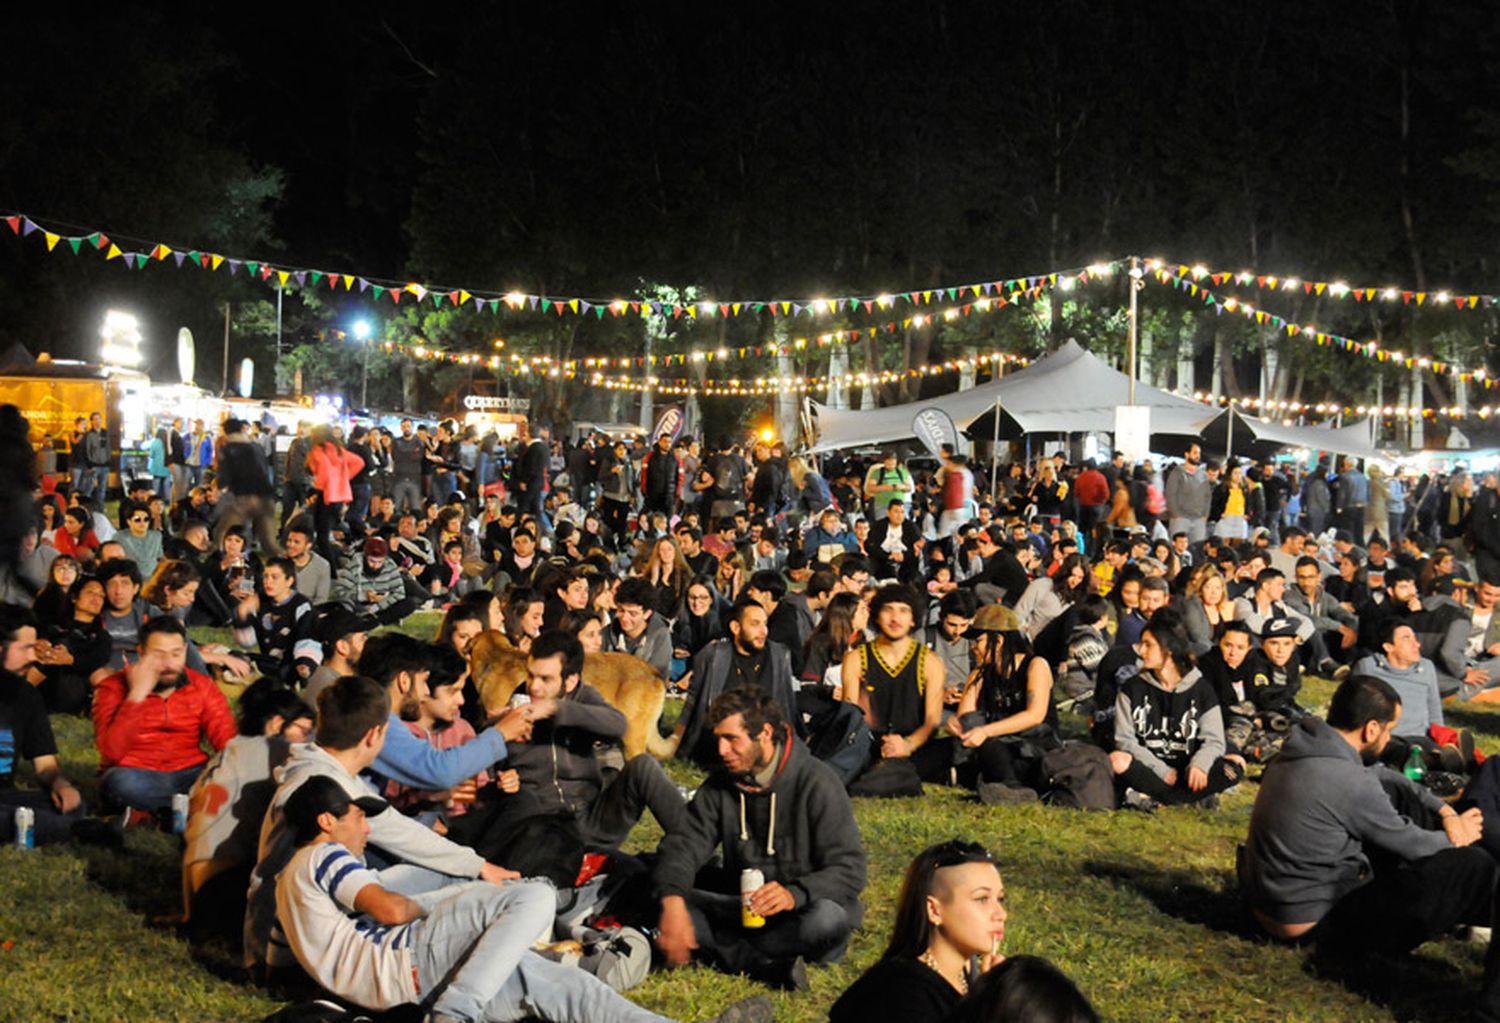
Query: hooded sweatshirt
[558, 764]
[1169, 729]
[798, 829]
[1318, 807]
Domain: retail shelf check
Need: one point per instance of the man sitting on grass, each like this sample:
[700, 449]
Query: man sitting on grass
[464, 953]
[1359, 858]
[229, 801]
[151, 720]
[773, 807]
[557, 770]
[26, 733]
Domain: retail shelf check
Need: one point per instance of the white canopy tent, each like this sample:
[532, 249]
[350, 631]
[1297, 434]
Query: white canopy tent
[1073, 391]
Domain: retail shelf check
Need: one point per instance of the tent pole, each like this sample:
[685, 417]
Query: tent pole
[1229, 439]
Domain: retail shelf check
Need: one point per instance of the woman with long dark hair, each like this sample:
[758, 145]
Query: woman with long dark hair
[1047, 597]
[76, 648]
[840, 630]
[697, 624]
[950, 924]
[1006, 713]
[53, 604]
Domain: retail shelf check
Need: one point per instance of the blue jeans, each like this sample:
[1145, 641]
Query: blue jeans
[474, 961]
[97, 484]
[141, 789]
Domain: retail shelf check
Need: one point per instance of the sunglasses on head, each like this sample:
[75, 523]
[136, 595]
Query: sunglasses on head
[955, 853]
[140, 518]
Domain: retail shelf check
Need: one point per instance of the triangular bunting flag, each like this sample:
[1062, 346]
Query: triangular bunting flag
[52, 240]
[75, 244]
[14, 223]
[114, 252]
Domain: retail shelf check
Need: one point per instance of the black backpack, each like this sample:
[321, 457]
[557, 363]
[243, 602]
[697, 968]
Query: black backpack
[1079, 775]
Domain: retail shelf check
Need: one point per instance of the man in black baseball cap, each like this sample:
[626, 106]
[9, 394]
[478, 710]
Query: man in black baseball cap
[321, 795]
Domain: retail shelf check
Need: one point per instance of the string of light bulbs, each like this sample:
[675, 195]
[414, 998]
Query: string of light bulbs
[1369, 349]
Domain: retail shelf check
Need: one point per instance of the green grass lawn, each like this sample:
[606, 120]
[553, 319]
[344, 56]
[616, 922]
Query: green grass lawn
[1141, 911]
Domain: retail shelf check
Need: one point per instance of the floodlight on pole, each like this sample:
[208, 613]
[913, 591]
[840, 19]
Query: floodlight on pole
[120, 339]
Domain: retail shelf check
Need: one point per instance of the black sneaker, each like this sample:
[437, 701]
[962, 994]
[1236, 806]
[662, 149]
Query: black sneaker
[1139, 801]
[1451, 758]
[1466, 747]
[782, 974]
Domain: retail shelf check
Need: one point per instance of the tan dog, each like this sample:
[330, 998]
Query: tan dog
[629, 684]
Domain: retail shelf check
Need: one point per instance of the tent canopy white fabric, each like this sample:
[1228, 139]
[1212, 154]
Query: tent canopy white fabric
[1073, 391]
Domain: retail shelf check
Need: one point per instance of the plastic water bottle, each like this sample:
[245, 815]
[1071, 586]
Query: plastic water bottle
[1416, 767]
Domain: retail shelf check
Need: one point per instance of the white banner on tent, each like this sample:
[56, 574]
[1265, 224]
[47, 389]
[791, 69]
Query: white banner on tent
[1133, 431]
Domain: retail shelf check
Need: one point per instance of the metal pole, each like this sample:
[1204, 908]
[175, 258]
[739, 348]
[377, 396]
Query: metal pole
[224, 386]
[995, 444]
[1229, 440]
[1135, 284]
[276, 369]
[364, 377]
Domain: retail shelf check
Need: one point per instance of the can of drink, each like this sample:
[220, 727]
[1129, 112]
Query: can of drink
[520, 699]
[25, 827]
[179, 813]
[751, 881]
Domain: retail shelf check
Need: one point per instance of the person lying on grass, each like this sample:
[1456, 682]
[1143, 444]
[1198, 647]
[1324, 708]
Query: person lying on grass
[1169, 730]
[1357, 857]
[462, 952]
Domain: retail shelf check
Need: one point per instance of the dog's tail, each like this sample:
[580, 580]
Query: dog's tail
[662, 747]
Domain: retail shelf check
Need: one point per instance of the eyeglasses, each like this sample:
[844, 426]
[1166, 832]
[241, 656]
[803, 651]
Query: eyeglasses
[139, 518]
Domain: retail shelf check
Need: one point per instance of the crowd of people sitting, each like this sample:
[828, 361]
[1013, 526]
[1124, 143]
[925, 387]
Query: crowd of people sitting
[371, 801]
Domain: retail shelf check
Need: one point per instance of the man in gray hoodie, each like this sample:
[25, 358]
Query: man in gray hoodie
[1356, 856]
[1189, 493]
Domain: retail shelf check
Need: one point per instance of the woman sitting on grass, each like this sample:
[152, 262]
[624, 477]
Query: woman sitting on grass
[1006, 714]
[950, 923]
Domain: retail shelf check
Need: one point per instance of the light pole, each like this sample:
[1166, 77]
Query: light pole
[361, 331]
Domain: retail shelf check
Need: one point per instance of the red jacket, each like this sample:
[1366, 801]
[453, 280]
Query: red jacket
[1091, 489]
[332, 467]
[160, 733]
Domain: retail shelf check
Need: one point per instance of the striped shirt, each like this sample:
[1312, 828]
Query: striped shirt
[346, 952]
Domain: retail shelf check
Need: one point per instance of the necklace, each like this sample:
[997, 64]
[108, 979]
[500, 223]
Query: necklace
[930, 961]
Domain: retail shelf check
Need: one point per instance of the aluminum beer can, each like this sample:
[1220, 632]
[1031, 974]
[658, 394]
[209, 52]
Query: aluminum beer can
[179, 813]
[520, 699]
[25, 827]
[751, 881]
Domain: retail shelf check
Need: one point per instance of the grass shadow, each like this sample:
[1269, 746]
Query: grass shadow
[1181, 894]
[1434, 984]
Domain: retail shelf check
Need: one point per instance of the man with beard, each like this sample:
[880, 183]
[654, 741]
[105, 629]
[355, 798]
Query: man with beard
[745, 658]
[1188, 493]
[772, 807]
[314, 577]
[1359, 858]
[898, 683]
[26, 734]
[399, 663]
[371, 585]
[151, 719]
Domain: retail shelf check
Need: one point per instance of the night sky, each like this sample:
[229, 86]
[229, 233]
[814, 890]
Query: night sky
[768, 150]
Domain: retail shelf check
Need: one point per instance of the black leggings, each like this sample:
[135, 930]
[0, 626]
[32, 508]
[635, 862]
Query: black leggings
[1223, 775]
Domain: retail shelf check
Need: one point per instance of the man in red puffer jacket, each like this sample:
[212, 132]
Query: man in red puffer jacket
[150, 721]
